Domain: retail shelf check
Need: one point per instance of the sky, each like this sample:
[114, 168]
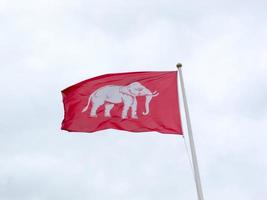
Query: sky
[46, 46]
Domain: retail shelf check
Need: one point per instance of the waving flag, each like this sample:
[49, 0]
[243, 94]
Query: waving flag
[134, 101]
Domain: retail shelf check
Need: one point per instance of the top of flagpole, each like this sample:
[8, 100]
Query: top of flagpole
[179, 65]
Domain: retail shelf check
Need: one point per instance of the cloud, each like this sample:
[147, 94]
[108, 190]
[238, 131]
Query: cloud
[47, 46]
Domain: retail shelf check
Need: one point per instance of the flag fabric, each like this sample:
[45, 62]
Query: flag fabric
[133, 101]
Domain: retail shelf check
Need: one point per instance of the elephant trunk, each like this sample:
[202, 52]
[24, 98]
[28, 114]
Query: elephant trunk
[148, 99]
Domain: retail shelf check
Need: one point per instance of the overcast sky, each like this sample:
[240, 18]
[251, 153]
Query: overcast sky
[49, 45]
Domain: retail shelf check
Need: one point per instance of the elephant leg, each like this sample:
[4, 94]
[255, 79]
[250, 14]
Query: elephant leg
[134, 108]
[108, 107]
[95, 106]
[125, 111]
[127, 100]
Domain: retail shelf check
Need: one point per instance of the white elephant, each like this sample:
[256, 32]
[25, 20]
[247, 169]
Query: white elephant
[114, 94]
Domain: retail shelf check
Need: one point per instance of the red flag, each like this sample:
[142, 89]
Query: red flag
[134, 101]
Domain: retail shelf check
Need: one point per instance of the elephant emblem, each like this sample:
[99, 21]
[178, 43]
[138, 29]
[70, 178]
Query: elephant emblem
[110, 95]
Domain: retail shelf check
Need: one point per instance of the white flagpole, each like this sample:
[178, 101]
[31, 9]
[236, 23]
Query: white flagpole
[190, 136]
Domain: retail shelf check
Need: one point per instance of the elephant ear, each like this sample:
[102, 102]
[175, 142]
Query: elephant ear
[126, 90]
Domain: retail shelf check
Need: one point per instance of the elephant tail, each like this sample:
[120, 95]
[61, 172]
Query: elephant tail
[88, 103]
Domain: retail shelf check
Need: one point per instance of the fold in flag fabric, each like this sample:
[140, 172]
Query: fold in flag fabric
[133, 101]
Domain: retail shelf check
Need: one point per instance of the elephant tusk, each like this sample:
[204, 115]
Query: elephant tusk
[155, 93]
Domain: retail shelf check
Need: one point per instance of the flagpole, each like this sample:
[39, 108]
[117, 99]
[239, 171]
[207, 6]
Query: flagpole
[190, 136]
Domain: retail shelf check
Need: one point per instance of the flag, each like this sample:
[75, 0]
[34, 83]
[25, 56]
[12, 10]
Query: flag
[133, 101]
